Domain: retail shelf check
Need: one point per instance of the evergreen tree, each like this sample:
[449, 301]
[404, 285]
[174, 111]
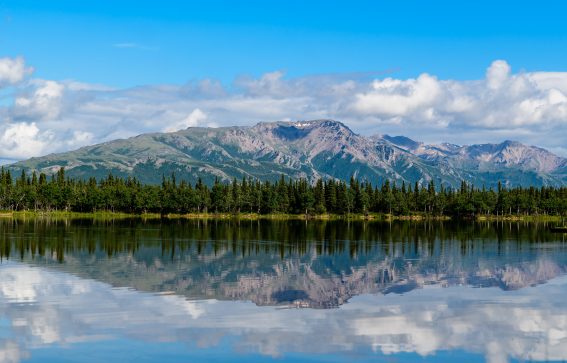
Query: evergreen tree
[33, 192]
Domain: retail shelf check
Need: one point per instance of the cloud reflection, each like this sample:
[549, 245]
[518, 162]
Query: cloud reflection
[46, 308]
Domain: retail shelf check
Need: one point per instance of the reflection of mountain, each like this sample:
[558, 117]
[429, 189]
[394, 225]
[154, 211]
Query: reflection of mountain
[305, 283]
[238, 262]
[48, 309]
[62, 291]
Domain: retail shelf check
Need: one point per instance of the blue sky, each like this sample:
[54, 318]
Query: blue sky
[74, 73]
[176, 41]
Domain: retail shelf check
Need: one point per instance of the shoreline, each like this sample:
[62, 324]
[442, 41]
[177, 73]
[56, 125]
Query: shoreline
[274, 216]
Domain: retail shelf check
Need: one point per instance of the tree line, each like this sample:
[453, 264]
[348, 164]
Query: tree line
[42, 193]
[49, 238]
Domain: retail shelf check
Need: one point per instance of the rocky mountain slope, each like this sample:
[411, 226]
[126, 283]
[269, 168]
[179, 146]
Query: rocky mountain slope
[310, 149]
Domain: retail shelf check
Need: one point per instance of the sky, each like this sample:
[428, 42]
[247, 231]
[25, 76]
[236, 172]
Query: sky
[74, 73]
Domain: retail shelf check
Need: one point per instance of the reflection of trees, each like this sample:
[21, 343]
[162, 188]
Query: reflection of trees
[315, 263]
[56, 238]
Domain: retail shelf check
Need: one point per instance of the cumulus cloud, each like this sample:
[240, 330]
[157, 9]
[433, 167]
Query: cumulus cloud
[42, 101]
[501, 101]
[13, 71]
[393, 97]
[269, 84]
[23, 140]
[193, 119]
[530, 107]
[10, 352]
[497, 74]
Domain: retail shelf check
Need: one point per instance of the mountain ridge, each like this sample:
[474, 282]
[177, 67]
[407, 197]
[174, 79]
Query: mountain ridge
[305, 149]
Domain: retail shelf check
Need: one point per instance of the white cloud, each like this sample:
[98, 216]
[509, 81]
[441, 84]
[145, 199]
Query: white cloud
[497, 74]
[528, 107]
[42, 101]
[80, 138]
[392, 97]
[23, 140]
[13, 70]
[10, 352]
[193, 119]
[271, 83]
[502, 102]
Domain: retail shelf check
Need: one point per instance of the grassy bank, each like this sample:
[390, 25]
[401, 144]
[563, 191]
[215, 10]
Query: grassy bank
[217, 216]
[103, 215]
[520, 218]
[220, 216]
[76, 215]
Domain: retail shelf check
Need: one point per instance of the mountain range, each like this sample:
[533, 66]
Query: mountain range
[306, 149]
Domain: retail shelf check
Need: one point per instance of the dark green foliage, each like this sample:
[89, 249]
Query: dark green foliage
[33, 192]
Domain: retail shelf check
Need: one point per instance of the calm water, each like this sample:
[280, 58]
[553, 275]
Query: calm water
[192, 291]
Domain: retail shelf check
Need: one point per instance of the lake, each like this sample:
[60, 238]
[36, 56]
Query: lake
[287, 291]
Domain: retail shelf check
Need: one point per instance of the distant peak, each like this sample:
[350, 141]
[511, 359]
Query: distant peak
[326, 124]
[402, 141]
[511, 143]
[306, 125]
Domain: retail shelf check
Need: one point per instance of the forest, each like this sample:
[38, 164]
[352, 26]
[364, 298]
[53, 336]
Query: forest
[60, 193]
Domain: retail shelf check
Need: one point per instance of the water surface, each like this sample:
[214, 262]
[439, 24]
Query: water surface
[177, 291]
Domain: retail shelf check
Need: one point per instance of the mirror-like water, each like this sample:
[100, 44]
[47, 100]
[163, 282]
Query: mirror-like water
[246, 291]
